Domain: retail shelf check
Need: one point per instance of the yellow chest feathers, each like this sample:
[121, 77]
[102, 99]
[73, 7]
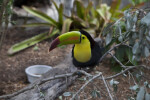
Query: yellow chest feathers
[82, 51]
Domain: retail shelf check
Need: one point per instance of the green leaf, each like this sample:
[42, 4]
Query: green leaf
[120, 38]
[87, 10]
[120, 53]
[104, 12]
[135, 87]
[145, 20]
[148, 38]
[140, 95]
[30, 42]
[146, 83]
[67, 94]
[60, 98]
[147, 96]
[130, 56]
[146, 51]
[36, 48]
[113, 82]
[128, 26]
[36, 24]
[135, 17]
[66, 25]
[41, 15]
[82, 79]
[79, 9]
[108, 38]
[55, 5]
[95, 94]
[60, 13]
[93, 12]
[135, 48]
[115, 7]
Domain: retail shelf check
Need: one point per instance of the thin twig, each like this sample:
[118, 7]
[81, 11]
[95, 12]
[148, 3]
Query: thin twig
[122, 72]
[107, 87]
[117, 60]
[94, 77]
[117, 45]
[127, 69]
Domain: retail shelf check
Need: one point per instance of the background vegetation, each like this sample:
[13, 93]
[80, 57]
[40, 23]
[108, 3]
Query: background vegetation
[125, 31]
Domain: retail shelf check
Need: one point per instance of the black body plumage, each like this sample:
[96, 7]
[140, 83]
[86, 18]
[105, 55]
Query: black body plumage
[96, 52]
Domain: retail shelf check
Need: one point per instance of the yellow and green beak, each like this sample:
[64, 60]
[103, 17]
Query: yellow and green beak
[66, 38]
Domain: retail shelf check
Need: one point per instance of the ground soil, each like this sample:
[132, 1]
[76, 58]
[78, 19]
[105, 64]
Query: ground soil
[13, 77]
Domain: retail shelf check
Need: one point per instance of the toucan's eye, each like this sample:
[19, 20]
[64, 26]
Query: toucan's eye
[83, 37]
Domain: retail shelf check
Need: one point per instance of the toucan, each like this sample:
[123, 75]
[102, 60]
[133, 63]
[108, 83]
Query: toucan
[86, 51]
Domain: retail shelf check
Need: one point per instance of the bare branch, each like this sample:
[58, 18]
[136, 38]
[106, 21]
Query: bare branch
[117, 60]
[117, 45]
[107, 87]
[127, 69]
[45, 80]
[122, 72]
[94, 77]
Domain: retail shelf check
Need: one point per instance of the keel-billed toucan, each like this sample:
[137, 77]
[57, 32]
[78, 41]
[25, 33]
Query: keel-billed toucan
[86, 51]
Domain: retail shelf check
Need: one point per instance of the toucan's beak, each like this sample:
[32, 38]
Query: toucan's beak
[66, 38]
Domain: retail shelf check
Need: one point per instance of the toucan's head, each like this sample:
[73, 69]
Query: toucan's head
[73, 37]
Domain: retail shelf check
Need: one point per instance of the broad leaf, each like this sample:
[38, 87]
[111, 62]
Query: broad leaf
[104, 12]
[147, 96]
[55, 5]
[140, 95]
[115, 7]
[146, 51]
[148, 38]
[135, 48]
[130, 56]
[135, 87]
[67, 94]
[108, 38]
[146, 20]
[66, 25]
[60, 13]
[41, 15]
[36, 24]
[113, 82]
[95, 94]
[87, 11]
[80, 9]
[30, 42]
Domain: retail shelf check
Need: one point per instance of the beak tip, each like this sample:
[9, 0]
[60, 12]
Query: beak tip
[50, 49]
[54, 44]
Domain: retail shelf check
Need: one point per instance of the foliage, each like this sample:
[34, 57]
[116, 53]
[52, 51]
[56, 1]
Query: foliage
[29, 42]
[57, 27]
[133, 28]
[135, 2]
[141, 91]
[86, 17]
[133, 31]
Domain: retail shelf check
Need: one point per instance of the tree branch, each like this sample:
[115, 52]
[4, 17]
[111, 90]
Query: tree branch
[107, 87]
[117, 60]
[94, 77]
[44, 81]
[117, 45]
